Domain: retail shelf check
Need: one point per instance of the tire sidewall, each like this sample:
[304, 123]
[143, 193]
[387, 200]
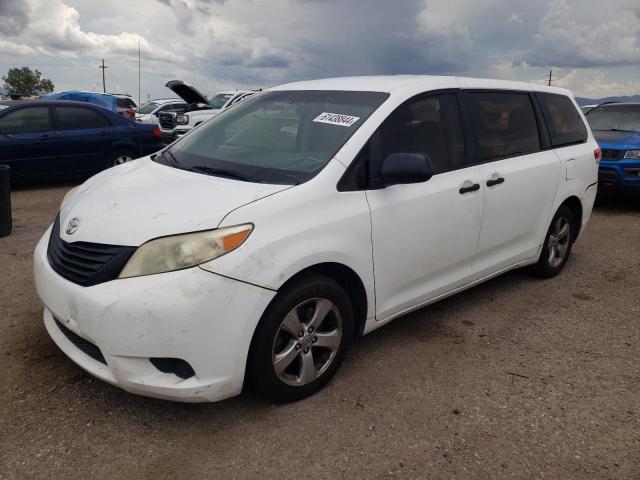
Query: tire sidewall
[261, 374]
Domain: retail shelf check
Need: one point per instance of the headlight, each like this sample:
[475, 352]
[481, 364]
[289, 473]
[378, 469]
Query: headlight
[67, 196]
[176, 252]
[634, 154]
[182, 119]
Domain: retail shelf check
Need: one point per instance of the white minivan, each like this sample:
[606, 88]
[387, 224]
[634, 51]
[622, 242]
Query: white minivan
[255, 249]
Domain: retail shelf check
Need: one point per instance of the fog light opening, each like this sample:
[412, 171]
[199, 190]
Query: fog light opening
[177, 366]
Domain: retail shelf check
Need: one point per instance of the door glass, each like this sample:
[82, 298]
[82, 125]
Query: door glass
[26, 120]
[565, 125]
[78, 118]
[503, 124]
[429, 126]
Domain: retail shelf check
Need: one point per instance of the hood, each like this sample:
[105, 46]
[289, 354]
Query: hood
[617, 140]
[186, 92]
[141, 200]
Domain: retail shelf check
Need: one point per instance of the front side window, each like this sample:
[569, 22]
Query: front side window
[280, 137]
[429, 126]
[503, 124]
[25, 120]
[78, 118]
[564, 122]
[615, 117]
[219, 100]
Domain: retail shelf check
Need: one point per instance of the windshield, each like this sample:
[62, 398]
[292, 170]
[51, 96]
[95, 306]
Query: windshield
[615, 117]
[280, 137]
[147, 108]
[219, 100]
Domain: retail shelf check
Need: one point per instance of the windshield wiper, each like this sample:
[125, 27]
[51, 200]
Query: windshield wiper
[221, 172]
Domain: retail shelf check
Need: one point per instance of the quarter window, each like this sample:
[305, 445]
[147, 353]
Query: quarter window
[78, 118]
[430, 126]
[503, 124]
[26, 120]
[564, 122]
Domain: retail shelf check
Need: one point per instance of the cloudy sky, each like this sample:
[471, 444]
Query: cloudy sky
[593, 46]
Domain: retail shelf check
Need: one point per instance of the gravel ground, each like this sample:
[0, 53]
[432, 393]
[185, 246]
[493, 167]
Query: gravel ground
[516, 378]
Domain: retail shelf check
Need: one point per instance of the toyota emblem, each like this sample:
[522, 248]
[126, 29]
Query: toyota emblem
[72, 226]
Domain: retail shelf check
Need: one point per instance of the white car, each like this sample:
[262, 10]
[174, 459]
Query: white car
[173, 124]
[148, 113]
[257, 247]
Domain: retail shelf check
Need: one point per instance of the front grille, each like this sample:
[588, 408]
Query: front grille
[167, 120]
[86, 263]
[612, 155]
[82, 343]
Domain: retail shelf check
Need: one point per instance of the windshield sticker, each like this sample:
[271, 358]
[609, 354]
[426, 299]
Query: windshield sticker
[336, 119]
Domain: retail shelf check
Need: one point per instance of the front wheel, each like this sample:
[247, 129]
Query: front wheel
[557, 244]
[301, 340]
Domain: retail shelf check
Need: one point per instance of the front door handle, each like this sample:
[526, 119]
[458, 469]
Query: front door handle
[495, 181]
[468, 186]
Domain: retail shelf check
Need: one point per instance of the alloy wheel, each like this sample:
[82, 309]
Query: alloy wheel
[307, 341]
[559, 240]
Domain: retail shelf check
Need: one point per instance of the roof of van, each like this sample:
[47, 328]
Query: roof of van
[391, 83]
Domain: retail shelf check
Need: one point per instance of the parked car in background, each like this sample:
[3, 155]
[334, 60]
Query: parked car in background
[199, 109]
[587, 108]
[148, 113]
[63, 139]
[253, 251]
[616, 127]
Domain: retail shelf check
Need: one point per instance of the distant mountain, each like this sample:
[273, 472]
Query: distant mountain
[596, 101]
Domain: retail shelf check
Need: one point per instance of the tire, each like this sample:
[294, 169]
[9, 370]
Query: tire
[557, 245]
[119, 157]
[289, 360]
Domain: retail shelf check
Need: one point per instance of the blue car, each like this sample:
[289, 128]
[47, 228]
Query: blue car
[616, 127]
[63, 139]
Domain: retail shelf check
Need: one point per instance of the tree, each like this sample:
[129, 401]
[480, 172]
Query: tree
[26, 82]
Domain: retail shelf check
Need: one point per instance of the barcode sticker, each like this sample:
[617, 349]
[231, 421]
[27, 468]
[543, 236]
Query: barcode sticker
[336, 119]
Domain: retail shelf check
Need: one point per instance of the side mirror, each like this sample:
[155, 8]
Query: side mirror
[403, 168]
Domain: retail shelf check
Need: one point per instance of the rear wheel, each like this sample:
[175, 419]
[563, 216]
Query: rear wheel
[301, 340]
[120, 157]
[557, 244]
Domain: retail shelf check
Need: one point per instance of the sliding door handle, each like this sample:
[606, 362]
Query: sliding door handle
[469, 188]
[495, 181]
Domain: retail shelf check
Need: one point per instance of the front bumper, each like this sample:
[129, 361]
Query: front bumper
[202, 318]
[622, 176]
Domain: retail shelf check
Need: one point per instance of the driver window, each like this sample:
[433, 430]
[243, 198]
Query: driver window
[429, 126]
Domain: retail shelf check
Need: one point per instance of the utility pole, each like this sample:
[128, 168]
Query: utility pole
[550, 76]
[104, 87]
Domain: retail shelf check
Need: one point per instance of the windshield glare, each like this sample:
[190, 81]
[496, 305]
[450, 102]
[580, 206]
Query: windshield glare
[615, 117]
[280, 137]
[219, 100]
[147, 108]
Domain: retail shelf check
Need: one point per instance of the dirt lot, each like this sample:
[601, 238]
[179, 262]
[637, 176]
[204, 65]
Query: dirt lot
[516, 378]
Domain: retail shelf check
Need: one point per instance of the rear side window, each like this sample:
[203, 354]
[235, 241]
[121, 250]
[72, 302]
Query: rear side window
[125, 103]
[78, 118]
[503, 124]
[431, 126]
[564, 122]
[26, 120]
